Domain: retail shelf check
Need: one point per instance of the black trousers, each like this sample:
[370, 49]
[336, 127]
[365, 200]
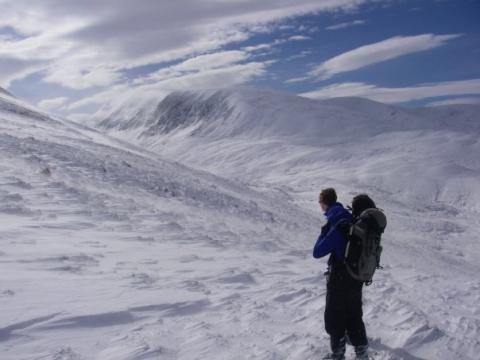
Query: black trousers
[343, 309]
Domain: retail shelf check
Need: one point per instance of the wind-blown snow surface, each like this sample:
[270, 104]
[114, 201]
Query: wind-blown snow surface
[421, 165]
[110, 252]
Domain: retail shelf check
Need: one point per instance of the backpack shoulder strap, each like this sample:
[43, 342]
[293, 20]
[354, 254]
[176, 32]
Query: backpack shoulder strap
[343, 227]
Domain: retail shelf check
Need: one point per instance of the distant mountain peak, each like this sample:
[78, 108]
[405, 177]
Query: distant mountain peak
[257, 113]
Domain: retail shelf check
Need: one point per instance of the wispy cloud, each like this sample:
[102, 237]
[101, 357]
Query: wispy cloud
[455, 101]
[13, 68]
[91, 43]
[212, 60]
[111, 50]
[344, 25]
[268, 46]
[297, 79]
[399, 94]
[258, 47]
[215, 70]
[378, 52]
[300, 55]
[299, 38]
[52, 104]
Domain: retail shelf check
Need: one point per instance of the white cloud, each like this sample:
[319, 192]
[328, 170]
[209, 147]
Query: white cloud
[269, 46]
[12, 69]
[297, 79]
[195, 65]
[454, 101]
[345, 25]
[37, 51]
[214, 60]
[301, 54]
[299, 38]
[52, 104]
[378, 52]
[173, 78]
[258, 47]
[117, 92]
[90, 43]
[400, 94]
[67, 73]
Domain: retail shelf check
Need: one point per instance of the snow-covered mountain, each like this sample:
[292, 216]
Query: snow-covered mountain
[129, 249]
[421, 165]
[4, 92]
[256, 113]
[422, 155]
[111, 252]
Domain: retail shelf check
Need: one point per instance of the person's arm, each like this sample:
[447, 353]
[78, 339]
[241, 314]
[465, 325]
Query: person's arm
[326, 242]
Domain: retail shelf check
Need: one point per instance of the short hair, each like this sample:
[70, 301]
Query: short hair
[362, 202]
[328, 196]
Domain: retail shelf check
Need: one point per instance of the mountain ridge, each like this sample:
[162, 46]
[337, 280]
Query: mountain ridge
[5, 92]
[252, 134]
[220, 113]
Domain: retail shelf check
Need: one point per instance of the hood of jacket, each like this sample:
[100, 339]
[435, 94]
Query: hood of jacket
[336, 211]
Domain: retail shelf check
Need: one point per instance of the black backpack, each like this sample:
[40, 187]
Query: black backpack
[362, 254]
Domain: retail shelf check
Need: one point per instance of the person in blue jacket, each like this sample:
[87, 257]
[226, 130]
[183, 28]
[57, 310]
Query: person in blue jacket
[343, 308]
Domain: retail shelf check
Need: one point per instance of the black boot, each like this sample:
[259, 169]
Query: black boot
[338, 349]
[361, 352]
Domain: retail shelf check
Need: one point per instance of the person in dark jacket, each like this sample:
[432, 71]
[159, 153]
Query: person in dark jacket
[343, 308]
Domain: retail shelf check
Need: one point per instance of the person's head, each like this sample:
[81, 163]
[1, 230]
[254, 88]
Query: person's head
[326, 198]
[360, 203]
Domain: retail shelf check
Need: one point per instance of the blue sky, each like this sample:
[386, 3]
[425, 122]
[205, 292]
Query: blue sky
[73, 58]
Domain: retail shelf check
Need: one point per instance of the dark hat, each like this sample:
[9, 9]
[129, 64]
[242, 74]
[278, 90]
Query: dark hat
[360, 203]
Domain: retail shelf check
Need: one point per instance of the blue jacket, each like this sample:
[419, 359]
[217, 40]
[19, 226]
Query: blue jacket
[331, 240]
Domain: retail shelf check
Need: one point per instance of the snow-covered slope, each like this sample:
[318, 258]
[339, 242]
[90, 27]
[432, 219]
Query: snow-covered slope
[421, 155]
[4, 92]
[421, 165]
[110, 252]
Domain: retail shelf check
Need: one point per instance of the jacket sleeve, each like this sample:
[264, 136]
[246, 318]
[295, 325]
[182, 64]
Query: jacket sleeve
[326, 242]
